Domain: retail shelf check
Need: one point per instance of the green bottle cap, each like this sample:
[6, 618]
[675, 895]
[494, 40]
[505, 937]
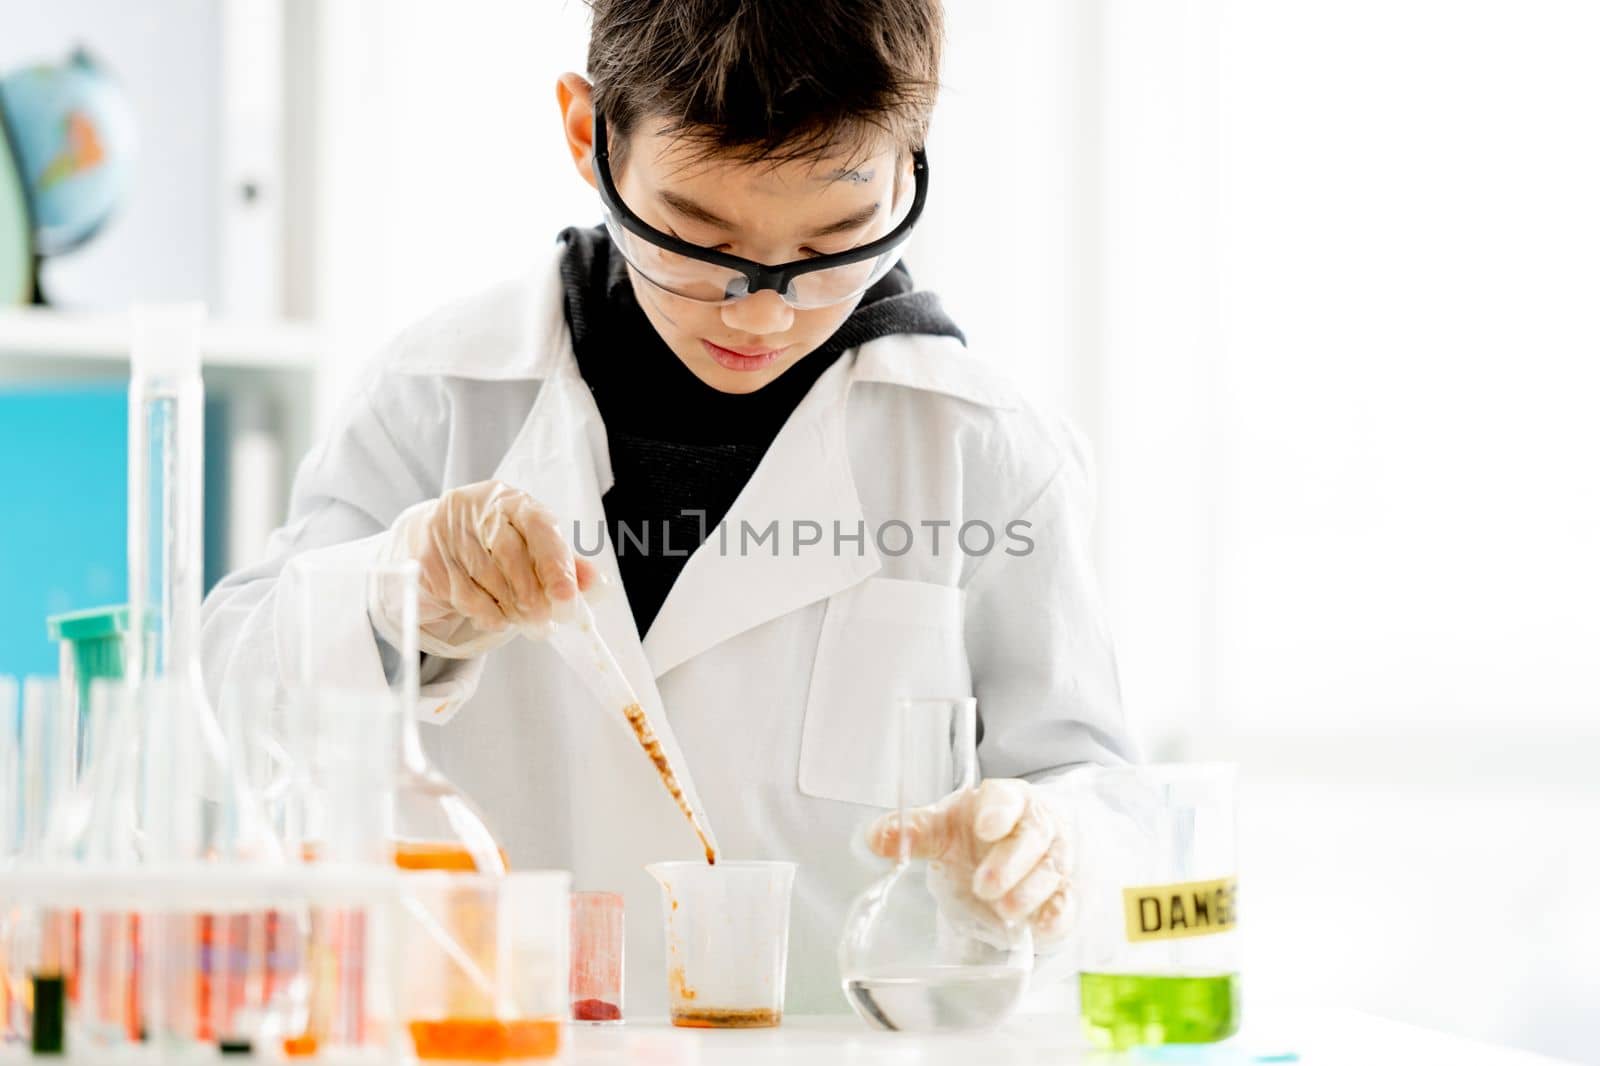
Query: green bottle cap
[93, 624]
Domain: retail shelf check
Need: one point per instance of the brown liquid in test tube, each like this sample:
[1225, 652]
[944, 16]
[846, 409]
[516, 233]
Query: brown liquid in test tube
[652, 748]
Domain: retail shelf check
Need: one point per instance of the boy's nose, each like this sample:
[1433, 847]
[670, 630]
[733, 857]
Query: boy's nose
[760, 313]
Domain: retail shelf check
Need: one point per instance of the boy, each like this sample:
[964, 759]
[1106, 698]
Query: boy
[729, 405]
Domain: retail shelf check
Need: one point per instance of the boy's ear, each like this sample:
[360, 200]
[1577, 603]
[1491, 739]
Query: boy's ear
[573, 92]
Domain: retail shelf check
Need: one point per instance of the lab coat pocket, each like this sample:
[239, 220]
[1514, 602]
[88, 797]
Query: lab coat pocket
[881, 640]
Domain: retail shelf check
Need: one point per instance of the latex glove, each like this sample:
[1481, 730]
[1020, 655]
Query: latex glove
[493, 563]
[996, 855]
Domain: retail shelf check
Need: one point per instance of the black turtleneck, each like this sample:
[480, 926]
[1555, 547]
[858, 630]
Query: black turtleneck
[679, 447]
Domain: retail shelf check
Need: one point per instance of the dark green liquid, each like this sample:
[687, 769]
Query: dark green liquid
[49, 1015]
[1123, 1010]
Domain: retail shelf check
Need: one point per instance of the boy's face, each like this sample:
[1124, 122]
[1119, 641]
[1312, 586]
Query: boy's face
[761, 211]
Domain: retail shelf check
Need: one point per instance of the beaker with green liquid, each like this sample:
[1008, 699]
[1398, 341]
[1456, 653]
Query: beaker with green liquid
[1162, 967]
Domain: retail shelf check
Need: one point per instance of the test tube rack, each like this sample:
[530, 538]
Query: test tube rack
[211, 889]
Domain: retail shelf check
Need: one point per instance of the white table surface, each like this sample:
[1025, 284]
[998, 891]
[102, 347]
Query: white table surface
[1310, 1037]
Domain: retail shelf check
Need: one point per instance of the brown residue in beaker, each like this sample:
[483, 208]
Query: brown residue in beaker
[652, 747]
[711, 1018]
[678, 985]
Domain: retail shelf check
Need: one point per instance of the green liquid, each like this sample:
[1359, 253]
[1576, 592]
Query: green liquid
[49, 1015]
[1123, 1010]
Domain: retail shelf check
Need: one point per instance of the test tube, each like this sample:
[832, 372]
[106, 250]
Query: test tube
[48, 749]
[106, 1011]
[597, 958]
[11, 1032]
[175, 988]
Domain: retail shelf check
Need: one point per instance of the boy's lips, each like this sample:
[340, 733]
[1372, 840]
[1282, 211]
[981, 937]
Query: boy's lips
[741, 358]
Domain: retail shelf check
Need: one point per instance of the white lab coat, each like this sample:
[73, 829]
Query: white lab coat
[773, 675]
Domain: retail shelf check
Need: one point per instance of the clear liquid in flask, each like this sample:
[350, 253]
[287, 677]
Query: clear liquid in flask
[932, 998]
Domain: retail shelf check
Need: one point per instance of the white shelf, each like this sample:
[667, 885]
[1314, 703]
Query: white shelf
[39, 333]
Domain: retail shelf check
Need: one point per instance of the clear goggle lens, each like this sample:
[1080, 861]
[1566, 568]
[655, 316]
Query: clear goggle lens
[708, 283]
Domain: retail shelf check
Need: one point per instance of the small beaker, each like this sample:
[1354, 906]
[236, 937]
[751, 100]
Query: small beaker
[597, 957]
[1161, 964]
[727, 932]
[482, 964]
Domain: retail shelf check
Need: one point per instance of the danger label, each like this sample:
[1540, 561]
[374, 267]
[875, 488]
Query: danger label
[1192, 908]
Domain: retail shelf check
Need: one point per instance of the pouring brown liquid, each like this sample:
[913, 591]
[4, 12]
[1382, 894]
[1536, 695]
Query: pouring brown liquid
[652, 748]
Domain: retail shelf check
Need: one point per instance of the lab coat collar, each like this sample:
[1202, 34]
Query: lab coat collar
[932, 364]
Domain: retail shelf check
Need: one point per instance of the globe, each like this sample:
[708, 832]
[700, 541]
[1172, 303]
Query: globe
[72, 137]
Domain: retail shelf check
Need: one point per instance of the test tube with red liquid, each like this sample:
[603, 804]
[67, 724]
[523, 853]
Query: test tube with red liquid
[596, 981]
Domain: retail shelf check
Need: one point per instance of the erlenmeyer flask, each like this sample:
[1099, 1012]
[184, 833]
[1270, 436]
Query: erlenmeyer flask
[434, 826]
[906, 962]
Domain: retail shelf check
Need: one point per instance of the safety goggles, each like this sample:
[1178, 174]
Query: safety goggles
[708, 276]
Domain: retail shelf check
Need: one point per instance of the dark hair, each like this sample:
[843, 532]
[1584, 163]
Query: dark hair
[774, 79]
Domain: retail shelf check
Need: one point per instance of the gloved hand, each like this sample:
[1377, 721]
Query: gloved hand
[493, 563]
[996, 855]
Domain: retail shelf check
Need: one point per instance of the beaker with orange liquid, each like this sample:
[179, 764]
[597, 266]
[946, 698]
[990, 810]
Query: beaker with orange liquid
[484, 962]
